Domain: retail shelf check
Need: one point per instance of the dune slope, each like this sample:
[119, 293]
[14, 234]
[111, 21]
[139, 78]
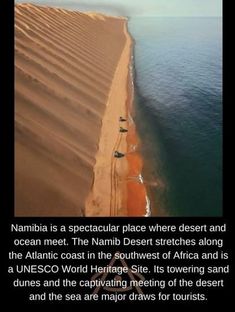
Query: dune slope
[65, 63]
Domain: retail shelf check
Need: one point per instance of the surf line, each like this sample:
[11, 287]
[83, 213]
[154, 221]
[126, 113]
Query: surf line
[138, 202]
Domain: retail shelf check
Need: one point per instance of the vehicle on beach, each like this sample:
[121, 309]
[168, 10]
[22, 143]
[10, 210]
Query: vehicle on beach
[122, 119]
[123, 130]
[118, 154]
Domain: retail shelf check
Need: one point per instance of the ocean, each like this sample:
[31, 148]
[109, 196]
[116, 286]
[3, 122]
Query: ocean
[178, 112]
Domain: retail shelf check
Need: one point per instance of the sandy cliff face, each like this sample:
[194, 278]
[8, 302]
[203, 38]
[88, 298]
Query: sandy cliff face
[64, 66]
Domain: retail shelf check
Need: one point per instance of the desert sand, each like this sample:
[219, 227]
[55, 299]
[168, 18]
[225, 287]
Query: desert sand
[72, 83]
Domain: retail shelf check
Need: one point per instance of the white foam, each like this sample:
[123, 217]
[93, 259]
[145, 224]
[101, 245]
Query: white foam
[133, 147]
[130, 119]
[148, 208]
[141, 179]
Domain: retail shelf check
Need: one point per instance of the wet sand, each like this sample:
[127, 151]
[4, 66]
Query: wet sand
[137, 202]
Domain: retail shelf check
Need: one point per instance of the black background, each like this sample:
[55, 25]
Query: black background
[217, 298]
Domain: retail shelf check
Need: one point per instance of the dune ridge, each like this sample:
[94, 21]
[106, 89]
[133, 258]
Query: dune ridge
[118, 187]
[69, 68]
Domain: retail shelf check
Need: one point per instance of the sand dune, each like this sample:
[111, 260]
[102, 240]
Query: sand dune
[66, 64]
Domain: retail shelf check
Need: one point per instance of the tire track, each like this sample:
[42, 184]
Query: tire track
[114, 178]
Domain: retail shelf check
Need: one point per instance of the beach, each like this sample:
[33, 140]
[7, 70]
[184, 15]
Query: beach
[73, 82]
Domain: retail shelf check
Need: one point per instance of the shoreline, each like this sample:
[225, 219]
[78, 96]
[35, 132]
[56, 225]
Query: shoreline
[138, 203]
[118, 188]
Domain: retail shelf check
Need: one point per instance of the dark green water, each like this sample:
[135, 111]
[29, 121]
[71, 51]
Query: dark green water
[178, 64]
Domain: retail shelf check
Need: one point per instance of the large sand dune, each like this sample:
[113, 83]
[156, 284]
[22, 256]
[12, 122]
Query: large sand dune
[65, 65]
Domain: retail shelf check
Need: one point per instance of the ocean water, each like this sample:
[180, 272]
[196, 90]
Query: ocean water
[178, 112]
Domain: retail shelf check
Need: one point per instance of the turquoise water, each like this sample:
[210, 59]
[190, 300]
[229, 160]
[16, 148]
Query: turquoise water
[178, 64]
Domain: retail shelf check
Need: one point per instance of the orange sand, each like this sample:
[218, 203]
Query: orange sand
[136, 191]
[108, 194]
[65, 63]
[113, 192]
[72, 83]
